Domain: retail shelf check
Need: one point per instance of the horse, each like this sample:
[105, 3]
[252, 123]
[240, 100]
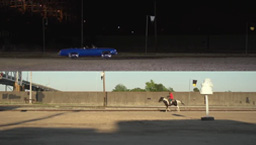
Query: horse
[167, 103]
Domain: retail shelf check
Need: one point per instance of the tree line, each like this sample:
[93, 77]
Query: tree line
[150, 86]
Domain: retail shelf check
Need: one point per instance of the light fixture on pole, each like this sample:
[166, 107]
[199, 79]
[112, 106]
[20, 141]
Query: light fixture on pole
[152, 19]
[250, 27]
[189, 90]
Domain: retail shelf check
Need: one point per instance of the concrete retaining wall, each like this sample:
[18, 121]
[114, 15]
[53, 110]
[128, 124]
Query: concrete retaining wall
[134, 98]
[85, 98]
[15, 97]
[131, 98]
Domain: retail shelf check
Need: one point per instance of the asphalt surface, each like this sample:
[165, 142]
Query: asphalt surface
[127, 127]
[80, 107]
[211, 63]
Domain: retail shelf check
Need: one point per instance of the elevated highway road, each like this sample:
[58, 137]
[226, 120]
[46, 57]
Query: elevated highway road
[129, 62]
[9, 79]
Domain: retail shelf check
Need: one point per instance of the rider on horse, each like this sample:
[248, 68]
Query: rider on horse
[171, 98]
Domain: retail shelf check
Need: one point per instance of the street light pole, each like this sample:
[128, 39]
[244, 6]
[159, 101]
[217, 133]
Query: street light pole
[104, 88]
[246, 39]
[155, 25]
[44, 24]
[82, 23]
[43, 27]
[146, 35]
[189, 91]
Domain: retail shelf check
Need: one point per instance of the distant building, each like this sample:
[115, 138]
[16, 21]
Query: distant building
[60, 9]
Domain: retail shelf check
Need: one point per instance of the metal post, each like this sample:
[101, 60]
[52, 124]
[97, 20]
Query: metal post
[17, 77]
[155, 26]
[104, 88]
[146, 35]
[246, 39]
[82, 24]
[17, 81]
[30, 88]
[207, 117]
[189, 91]
[43, 27]
[104, 82]
[206, 105]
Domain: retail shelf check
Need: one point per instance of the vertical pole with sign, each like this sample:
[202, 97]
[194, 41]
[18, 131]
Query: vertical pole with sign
[207, 90]
[206, 105]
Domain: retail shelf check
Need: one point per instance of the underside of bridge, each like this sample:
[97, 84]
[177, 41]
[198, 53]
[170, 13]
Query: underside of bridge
[14, 79]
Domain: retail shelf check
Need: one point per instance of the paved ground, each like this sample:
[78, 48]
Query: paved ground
[80, 107]
[130, 64]
[127, 127]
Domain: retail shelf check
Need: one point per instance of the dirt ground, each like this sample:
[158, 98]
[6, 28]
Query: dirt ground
[127, 127]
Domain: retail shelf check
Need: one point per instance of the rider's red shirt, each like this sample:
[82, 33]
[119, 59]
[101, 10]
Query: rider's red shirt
[171, 96]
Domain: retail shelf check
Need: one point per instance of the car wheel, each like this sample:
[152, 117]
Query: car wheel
[73, 55]
[106, 55]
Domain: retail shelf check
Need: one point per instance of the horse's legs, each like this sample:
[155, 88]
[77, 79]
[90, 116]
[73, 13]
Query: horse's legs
[167, 109]
[178, 108]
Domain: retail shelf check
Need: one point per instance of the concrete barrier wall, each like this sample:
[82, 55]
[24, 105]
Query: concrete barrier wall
[131, 98]
[233, 99]
[15, 97]
[134, 98]
[85, 98]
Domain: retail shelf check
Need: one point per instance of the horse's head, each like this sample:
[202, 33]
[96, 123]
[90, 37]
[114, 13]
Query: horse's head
[161, 99]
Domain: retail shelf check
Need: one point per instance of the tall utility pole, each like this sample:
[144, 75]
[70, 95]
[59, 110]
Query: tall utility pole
[155, 26]
[82, 23]
[30, 89]
[104, 88]
[146, 35]
[152, 19]
[103, 78]
[43, 27]
[18, 80]
[246, 38]
[189, 91]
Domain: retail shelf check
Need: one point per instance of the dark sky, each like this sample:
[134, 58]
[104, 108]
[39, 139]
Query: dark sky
[127, 17]
[172, 17]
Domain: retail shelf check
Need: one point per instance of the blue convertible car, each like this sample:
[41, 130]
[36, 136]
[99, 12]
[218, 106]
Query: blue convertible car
[78, 52]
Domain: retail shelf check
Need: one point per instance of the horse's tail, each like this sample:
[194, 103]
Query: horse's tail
[179, 101]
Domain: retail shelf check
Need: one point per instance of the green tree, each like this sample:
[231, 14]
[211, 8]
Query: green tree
[137, 90]
[120, 88]
[171, 89]
[151, 86]
[196, 90]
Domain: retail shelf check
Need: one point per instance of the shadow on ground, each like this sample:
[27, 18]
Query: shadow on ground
[7, 108]
[137, 133]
